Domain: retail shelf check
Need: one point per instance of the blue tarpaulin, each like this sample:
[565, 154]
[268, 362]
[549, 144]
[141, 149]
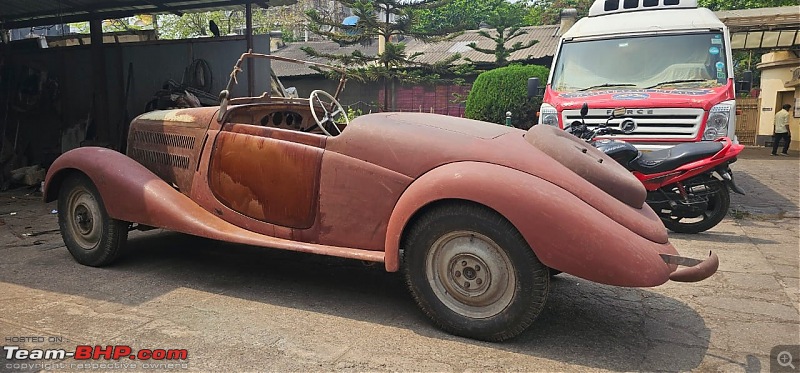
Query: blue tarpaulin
[350, 21]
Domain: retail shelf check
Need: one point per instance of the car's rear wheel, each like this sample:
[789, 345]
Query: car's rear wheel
[91, 236]
[473, 274]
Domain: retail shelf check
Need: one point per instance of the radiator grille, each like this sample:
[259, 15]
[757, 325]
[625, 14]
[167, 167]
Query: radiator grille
[168, 139]
[653, 123]
[152, 157]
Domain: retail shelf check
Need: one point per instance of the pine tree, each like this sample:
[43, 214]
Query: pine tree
[388, 21]
[507, 20]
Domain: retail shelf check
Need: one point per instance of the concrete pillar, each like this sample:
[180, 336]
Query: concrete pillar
[568, 18]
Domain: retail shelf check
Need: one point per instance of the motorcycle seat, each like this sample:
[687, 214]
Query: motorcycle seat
[674, 157]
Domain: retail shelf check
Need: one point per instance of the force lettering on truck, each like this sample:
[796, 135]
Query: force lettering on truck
[678, 92]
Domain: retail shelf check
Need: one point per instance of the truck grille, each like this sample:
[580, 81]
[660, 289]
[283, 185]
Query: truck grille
[653, 123]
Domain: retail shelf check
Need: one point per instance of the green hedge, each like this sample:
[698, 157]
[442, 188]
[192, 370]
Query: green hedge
[505, 89]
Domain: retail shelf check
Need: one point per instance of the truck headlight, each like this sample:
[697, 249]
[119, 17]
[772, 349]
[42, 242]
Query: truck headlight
[548, 115]
[719, 120]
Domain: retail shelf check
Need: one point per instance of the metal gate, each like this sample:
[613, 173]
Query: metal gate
[747, 115]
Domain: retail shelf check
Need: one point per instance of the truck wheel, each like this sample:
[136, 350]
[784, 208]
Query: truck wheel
[91, 236]
[473, 274]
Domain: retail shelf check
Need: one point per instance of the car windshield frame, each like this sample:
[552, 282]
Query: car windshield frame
[277, 89]
[639, 62]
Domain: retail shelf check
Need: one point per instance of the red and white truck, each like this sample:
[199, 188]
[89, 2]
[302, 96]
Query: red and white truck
[667, 62]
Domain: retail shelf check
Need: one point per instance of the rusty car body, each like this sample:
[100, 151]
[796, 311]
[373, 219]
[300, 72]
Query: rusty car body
[478, 216]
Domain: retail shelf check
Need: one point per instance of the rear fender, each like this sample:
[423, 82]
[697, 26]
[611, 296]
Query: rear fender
[564, 232]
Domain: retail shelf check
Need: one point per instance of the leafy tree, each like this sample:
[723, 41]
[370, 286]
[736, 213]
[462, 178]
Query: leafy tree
[548, 12]
[506, 19]
[189, 25]
[466, 14]
[744, 4]
[390, 21]
[505, 89]
[288, 19]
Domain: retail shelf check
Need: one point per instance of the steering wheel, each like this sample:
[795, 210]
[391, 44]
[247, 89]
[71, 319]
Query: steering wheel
[323, 100]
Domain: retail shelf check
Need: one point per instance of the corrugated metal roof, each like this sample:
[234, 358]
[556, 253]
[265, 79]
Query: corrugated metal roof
[432, 52]
[27, 13]
[326, 47]
[546, 35]
[439, 51]
[760, 18]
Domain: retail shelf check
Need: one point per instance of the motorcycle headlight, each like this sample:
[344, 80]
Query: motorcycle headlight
[719, 120]
[548, 115]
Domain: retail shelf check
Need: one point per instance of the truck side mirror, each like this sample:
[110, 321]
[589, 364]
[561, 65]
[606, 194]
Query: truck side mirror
[584, 110]
[533, 87]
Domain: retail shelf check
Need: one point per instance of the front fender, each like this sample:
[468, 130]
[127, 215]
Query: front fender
[130, 191]
[565, 232]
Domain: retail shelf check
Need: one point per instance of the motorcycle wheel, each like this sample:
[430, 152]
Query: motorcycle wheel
[719, 200]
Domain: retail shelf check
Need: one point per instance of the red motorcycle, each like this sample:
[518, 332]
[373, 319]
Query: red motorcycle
[681, 184]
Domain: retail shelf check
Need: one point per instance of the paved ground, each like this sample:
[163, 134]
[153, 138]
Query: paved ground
[238, 308]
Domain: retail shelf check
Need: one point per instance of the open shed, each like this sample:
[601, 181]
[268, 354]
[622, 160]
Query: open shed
[53, 98]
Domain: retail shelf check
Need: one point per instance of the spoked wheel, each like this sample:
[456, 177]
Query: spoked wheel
[710, 200]
[332, 112]
[473, 274]
[91, 236]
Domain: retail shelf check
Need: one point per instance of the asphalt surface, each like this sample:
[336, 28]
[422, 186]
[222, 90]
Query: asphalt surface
[239, 308]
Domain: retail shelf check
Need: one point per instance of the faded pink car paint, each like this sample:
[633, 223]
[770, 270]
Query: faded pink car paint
[132, 193]
[383, 170]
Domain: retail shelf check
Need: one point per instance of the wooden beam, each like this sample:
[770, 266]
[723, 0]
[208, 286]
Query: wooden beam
[166, 8]
[104, 10]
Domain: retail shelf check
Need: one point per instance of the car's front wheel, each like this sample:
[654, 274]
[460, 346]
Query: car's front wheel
[472, 272]
[91, 236]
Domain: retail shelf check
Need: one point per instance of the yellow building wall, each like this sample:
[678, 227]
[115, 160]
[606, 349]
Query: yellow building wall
[776, 70]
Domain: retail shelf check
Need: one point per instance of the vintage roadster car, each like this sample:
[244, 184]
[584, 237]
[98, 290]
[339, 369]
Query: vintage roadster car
[478, 216]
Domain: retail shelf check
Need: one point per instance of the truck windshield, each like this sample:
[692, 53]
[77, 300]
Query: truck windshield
[662, 61]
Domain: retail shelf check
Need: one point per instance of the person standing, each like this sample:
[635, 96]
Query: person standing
[782, 130]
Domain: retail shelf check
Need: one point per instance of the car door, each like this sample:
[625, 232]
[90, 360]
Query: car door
[268, 174]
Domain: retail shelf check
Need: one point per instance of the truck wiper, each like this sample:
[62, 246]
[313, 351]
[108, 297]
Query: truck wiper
[676, 81]
[604, 85]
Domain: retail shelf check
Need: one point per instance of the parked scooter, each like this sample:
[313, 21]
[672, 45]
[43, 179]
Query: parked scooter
[680, 182]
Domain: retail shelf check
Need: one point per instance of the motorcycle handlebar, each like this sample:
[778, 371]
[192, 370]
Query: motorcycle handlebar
[585, 133]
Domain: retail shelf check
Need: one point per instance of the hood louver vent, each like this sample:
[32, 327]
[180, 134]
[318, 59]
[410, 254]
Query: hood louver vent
[168, 139]
[152, 157]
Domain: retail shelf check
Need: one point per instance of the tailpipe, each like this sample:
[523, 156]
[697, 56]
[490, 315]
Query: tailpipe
[695, 270]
